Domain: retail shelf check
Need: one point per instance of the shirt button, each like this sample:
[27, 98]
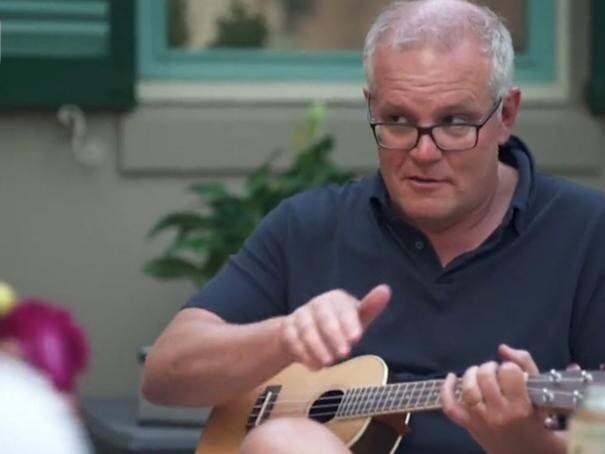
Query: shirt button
[419, 245]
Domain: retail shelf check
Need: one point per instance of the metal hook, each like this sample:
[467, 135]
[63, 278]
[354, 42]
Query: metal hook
[86, 153]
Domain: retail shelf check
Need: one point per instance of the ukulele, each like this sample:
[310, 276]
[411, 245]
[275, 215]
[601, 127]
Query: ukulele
[355, 402]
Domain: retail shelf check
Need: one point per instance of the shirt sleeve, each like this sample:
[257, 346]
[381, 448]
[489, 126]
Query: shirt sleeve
[251, 286]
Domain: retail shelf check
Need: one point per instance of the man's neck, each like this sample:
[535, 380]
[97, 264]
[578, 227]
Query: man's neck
[470, 232]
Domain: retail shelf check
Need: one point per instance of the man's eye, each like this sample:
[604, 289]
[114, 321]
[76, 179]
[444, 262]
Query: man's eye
[454, 120]
[397, 119]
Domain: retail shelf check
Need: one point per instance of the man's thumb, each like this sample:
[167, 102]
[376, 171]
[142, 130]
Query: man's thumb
[374, 303]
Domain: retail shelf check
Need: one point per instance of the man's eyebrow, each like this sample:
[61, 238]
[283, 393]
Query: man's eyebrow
[467, 106]
[399, 108]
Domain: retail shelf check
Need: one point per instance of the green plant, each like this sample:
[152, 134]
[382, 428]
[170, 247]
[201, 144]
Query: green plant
[206, 236]
[178, 33]
[241, 29]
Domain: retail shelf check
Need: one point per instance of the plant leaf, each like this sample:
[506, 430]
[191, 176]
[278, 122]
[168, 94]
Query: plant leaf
[210, 190]
[184, 221]
[171, 268]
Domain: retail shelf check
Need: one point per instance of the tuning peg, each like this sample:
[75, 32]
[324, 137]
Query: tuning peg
[547, 396]
[576, 397]
[586, 377]
[555, 376]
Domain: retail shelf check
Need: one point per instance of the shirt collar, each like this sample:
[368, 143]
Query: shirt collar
[514, 153]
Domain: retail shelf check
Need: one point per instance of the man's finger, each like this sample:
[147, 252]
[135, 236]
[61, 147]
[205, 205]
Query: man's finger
[470, 392]
[512, 381]
[374, 303]
[331, 331]
[351, 324]
[296, 346]
[312, 340]
[451, 407]
[488, 384]
[520, 357]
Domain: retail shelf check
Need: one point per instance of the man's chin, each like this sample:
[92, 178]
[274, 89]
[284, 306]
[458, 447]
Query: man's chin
[428, 216]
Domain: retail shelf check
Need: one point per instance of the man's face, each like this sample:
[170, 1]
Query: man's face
[424, 86]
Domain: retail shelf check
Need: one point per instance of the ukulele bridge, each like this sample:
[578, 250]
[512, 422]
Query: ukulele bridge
[263, 406]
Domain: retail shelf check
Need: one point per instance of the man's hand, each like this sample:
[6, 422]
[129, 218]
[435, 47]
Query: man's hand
[496, 410]
[325, 329]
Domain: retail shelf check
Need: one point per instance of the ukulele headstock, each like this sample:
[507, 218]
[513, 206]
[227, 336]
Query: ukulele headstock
[562, 390]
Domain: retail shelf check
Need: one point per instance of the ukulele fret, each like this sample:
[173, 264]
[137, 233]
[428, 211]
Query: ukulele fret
[370, 401]
[348, 402]
[382, 394]
[416, 392]
[365, 400]
[408, 395]
[394, 391]
[432, 397]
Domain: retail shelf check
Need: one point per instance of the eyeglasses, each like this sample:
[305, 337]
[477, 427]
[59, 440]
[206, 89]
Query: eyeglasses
[447, 137]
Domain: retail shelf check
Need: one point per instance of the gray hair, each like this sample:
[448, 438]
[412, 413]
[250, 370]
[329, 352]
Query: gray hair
[445, 22]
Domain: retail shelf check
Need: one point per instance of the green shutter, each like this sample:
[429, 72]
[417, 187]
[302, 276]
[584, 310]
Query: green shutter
[56, 52]
[596, 84]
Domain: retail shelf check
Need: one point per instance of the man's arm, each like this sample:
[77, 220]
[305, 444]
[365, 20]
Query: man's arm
[202, 360]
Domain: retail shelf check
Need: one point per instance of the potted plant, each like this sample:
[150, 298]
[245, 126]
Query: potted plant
[206, 235]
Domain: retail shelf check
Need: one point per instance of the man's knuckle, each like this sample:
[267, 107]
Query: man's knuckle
[324, 312]
[486, 370]
[307, 335]
[303, 322]
[330, 324]
[334, 294]
[508, 368]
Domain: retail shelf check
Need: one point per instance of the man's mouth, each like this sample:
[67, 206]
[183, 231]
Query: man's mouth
[425, 179]
[426, 182]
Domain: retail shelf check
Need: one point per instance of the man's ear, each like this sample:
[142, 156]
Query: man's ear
[510, 108]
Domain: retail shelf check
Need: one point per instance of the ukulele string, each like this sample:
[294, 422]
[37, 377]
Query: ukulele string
[331, 400]
[333, 415]
[364, 392]
[430, 398]
[303, 407]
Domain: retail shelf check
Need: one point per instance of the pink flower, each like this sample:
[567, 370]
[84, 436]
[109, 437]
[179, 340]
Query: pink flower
[49, 339]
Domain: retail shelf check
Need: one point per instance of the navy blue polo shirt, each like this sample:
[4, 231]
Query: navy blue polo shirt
[537, 283]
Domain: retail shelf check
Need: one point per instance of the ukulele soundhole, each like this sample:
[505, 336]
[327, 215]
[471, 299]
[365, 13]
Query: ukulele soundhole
[325, 407]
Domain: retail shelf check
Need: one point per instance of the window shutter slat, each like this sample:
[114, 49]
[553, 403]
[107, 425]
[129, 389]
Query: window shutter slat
[67, 51]
[69, 29]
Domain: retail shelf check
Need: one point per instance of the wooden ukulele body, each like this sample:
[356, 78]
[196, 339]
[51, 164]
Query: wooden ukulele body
[226, 427]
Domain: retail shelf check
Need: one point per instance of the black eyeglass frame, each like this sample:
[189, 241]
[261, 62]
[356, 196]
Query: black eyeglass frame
[428, 130]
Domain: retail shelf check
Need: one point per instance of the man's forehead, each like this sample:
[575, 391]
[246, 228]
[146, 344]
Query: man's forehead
[453, 102]
[458, 36]
[425, 68]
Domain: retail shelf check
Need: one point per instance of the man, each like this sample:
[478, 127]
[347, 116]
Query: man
[457, 256]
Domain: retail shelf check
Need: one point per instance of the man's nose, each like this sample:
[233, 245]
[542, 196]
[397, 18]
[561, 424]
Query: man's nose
[426, 150]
